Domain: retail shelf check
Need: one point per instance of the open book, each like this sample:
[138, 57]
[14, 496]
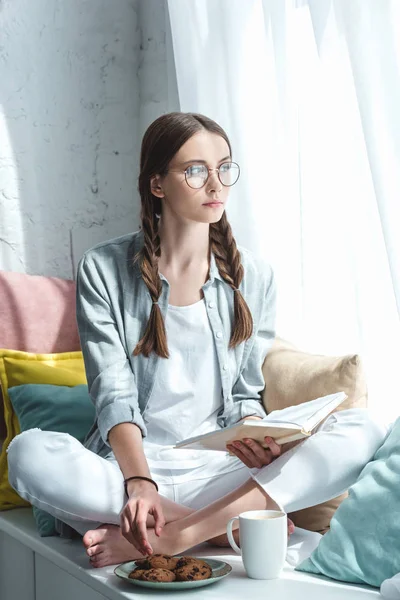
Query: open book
[286, 425]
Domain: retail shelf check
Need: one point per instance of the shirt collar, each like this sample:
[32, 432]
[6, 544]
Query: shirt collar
[137, 245]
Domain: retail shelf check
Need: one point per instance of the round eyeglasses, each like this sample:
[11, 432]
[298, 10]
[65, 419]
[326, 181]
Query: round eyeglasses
[196, 176]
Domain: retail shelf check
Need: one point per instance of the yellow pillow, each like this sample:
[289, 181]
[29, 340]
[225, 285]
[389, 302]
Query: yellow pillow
[17, 368]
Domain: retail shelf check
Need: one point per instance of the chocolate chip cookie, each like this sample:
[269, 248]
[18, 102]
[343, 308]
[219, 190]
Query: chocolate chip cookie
[142, 562]
[162, 561]
[136, 573]
[157, 561]
[187, 560]
[193, 571]
[160, 575]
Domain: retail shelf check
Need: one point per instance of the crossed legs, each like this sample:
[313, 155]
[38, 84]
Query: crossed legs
[90, 492]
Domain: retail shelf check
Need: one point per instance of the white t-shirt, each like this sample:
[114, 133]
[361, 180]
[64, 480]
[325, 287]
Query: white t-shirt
[187, 393]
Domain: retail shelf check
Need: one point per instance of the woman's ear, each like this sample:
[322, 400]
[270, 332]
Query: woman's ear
[155, 186]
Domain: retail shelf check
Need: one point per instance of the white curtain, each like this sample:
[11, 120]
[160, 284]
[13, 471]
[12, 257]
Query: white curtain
[309, 93]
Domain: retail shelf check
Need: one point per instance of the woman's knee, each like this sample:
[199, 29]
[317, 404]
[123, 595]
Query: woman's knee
[359, 427]
[32, 451]
[361, 417]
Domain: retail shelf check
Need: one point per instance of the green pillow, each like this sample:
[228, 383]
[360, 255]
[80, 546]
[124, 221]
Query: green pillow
[52, 408]
[363, 544]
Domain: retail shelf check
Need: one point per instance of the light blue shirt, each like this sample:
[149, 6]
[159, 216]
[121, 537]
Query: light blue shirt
[113, 307]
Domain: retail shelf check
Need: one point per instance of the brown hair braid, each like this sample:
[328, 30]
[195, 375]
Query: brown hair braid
[227, 257]
[155, 338]
[161, 141]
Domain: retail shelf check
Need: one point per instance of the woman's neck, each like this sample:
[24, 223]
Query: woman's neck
[183, 247]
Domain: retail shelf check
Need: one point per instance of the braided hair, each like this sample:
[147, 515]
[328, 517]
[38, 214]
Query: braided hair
[161, 141]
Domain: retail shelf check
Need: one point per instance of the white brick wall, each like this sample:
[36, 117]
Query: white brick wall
[80, 81]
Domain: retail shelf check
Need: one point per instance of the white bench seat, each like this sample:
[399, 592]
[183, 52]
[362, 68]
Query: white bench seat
[35, 568]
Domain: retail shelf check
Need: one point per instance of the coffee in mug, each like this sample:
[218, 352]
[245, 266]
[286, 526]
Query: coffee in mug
[265, 517]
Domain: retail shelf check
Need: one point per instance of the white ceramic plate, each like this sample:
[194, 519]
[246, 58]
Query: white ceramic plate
[220, 569]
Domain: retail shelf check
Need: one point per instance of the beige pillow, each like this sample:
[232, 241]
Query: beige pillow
[292, 377]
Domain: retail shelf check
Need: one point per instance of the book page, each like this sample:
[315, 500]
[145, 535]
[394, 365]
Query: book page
[308, 414]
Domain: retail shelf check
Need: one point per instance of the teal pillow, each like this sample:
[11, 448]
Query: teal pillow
[52, 408]
[363, 544]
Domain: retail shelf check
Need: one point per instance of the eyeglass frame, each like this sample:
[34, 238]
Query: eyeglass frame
[230, 162]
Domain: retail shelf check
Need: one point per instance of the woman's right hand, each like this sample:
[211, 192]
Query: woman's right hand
[143, 500]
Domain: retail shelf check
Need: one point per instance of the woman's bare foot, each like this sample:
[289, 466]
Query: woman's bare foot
[107, 546]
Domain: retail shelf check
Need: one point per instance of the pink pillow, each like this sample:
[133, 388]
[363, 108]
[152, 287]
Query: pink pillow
[37, 314]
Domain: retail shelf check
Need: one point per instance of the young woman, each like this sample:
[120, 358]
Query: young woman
[175, 323]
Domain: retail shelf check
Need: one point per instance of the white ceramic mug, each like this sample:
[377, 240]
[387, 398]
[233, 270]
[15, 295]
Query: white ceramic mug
[263, 542]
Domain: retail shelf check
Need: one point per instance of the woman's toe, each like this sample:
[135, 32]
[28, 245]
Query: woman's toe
[93, 550]
[96, 557]
[87, 539]
[99, 560]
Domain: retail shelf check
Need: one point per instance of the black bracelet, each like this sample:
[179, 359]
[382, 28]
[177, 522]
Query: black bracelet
[138, 477]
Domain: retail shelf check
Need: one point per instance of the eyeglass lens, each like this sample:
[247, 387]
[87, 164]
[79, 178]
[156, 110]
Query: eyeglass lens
[197, 175]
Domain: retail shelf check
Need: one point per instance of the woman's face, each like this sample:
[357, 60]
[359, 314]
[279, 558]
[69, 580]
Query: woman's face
[203, 205]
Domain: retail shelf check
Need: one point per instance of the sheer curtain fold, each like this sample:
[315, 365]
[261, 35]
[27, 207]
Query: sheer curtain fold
[308, 91]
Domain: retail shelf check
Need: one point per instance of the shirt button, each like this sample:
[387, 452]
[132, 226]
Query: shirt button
[211, 304]
[219, 334]
[225, 367]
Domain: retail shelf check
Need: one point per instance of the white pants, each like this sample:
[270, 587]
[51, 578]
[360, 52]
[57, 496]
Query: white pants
[54, 472]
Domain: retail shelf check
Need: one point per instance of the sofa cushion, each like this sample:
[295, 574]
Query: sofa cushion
[293, 377]
[17, 368]
[52, 408]
[362, 545]
[37, 314]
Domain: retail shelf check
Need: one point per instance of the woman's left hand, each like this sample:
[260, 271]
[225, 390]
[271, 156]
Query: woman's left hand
[252, 453]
